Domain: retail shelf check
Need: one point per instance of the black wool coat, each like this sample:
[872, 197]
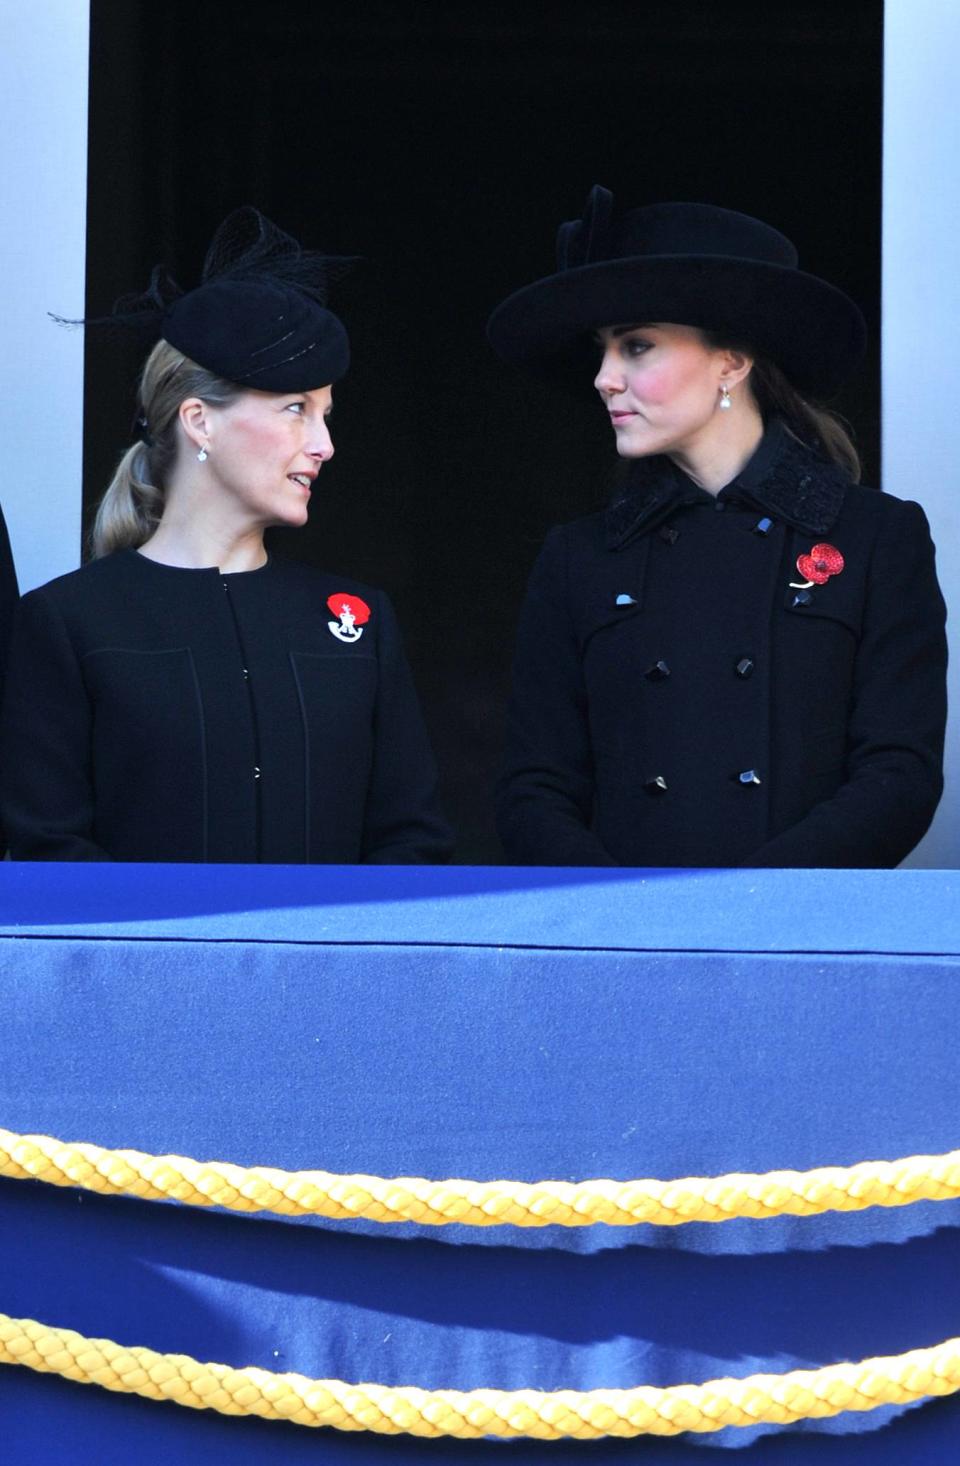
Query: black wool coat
[155, 713]
[8, 595]
[681, 698]
[8, 606]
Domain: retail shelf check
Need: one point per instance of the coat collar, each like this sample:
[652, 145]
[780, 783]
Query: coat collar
[784, 477]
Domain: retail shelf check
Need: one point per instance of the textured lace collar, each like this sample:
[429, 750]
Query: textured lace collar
[784, 477]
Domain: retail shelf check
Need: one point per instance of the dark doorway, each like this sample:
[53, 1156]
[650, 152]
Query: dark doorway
[444, 141]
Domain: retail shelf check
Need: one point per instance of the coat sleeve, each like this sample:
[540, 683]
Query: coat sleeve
[8, 596]
[894, 766]
[546, 794]
[403, 823]
[45, 741]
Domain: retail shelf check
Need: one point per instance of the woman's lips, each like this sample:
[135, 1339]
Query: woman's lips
[621, 417]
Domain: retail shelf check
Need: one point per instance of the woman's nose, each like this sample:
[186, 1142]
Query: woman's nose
[321, 445]
[609, 378]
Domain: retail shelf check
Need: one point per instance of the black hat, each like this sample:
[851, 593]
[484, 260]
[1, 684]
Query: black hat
[688, 264]
[259, 316]
[259, 333]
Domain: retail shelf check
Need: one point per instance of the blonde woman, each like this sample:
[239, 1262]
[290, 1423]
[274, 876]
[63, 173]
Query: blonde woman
[187, 696]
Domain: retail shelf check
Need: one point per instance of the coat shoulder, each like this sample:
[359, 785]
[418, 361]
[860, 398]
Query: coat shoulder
[882, 517]
[310, 580]
[105, 577]
[584, 535]
[876, 504]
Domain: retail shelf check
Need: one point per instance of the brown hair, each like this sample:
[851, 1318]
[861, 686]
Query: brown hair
[776, 396]
[131, 509]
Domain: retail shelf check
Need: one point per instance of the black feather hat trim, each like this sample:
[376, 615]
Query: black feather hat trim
[259, 316]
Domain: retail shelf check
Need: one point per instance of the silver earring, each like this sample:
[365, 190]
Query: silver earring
[202, 455]
[725, 402]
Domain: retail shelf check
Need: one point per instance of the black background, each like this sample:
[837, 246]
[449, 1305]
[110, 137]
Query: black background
[444, 142]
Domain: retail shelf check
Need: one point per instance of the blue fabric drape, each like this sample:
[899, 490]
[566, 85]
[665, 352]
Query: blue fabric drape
[481, 1023]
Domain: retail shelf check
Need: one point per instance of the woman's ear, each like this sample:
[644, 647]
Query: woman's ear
[194, 419]
[735, 368]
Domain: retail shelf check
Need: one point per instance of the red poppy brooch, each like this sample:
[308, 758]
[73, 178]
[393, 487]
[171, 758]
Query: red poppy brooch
[353, 614]
[822, 562]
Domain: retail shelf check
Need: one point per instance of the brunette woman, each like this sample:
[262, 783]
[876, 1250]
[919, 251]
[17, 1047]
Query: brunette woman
[741, 661]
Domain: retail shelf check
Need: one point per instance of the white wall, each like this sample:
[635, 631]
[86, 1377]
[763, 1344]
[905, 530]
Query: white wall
[43, 209]
[921, 317]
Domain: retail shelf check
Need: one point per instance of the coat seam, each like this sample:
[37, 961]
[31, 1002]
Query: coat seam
[205, 820]
[301, 702]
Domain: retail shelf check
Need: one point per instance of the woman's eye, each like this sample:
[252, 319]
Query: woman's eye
[634, 346]
[296, 407]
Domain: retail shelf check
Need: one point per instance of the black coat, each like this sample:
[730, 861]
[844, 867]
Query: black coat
[8, 606]
[8, 595]
[678, 702]
[155, 713]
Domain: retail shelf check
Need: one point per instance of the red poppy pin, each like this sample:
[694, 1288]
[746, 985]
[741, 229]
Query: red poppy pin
[822, 562]
[352, 614]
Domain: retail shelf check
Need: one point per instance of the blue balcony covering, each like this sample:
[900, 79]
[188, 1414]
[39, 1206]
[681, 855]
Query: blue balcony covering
[485, 1023]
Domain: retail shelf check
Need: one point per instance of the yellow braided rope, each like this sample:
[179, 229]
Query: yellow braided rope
[480, 1203]
[584, 1414]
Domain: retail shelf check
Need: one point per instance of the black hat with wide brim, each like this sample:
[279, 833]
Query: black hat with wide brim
[686, 264]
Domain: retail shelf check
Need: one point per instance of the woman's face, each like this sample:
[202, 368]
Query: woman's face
[265, 450]
[661, 387]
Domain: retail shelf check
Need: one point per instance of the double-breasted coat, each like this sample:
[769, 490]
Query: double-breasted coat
[684, 695]
[157, 713]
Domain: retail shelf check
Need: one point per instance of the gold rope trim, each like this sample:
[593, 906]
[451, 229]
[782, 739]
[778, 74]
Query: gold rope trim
[759, 1399]
[480, 1203]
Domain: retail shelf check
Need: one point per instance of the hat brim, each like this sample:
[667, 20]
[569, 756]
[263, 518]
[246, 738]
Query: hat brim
[813, 332]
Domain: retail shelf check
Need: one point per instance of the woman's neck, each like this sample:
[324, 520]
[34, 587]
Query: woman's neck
[723, 449]
[194, 545]
[201, 527]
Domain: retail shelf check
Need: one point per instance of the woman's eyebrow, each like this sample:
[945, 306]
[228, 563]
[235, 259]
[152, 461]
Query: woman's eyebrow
[617, 331]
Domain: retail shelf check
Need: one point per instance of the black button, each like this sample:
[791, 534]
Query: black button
[749, 776]
[802, 598]
[657, 785]
[256, 772]
[719, 505]
[763, 526]
[669, 535]
[659, 672]
[745, 667]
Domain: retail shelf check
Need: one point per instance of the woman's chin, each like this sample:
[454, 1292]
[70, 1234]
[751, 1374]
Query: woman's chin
[293, 518]
[628, 448]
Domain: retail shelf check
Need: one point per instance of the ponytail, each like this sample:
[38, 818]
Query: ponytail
[817, 426]
[776, 396]
[132, 507]
[130, 510]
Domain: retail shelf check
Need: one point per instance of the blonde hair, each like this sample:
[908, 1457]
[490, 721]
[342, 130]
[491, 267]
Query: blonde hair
[131, 509]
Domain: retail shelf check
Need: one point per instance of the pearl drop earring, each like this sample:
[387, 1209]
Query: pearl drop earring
[202, 455]
[725, 402]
